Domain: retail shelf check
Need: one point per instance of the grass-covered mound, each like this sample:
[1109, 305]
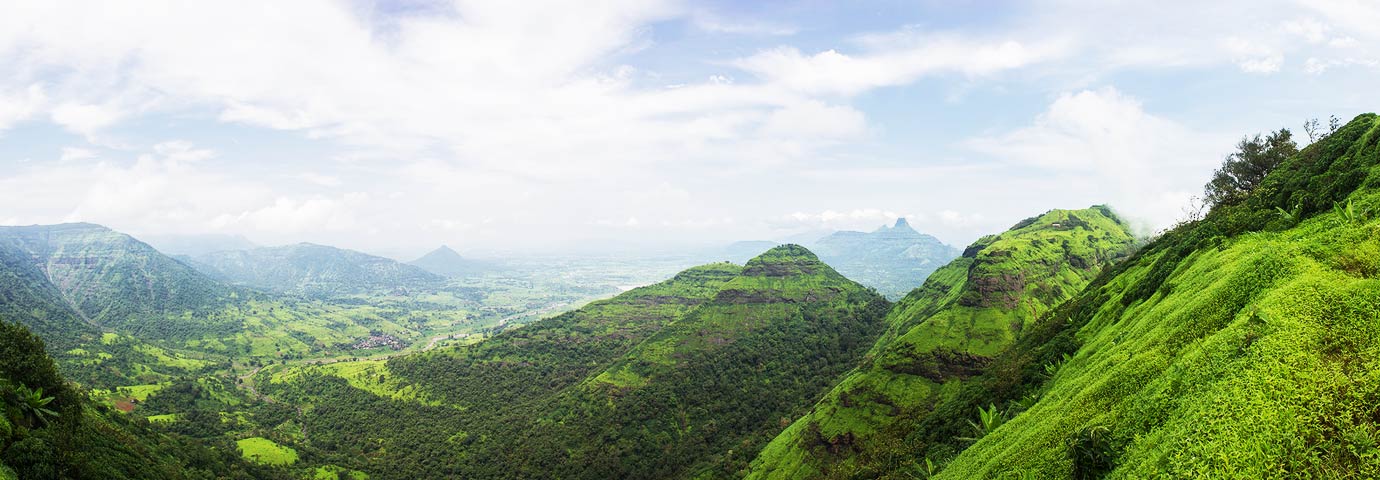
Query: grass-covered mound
[941, 334]
[1244, 345]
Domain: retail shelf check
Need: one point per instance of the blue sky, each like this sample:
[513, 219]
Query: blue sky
[547, 126]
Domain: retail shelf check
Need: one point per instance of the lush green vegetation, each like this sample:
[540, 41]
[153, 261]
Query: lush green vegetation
[1238, 346]
[265, 451]
[49, 430]
[685, 377]
[943, 333]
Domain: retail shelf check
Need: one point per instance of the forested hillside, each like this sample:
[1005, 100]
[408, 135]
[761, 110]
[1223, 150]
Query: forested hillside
[942, 334]
[683, 378]
[49, 430]
[114, 281]
[1242, 345]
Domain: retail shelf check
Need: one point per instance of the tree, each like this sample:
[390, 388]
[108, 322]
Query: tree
[1311, 128]
[1243, 170]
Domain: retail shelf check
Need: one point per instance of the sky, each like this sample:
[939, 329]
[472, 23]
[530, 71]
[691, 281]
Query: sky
[538, 127]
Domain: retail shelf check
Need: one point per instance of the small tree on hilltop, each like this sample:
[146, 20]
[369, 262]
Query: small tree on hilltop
[1243, 170]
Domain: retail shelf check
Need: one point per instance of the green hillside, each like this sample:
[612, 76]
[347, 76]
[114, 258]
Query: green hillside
[682, 378]
[117, 313]
[894, 260]
[317, 270]
[702, 394]
[506, 381]
[1239, 346]
[48, 430]
[941, 334]
[114, 281]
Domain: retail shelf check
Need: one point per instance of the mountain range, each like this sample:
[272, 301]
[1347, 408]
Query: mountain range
[1241, 344]
[316, 270]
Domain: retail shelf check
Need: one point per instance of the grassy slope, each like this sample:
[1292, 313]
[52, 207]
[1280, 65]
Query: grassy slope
[703, 393]
[86, 441]
[941, 333]
[1223, 353]
[705, 364]
[507, 377]
[531, 362]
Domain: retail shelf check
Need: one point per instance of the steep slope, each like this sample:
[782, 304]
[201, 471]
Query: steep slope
[311, 269]
[69, 437]
[110, 279]
[683, 378]
[894, 260]
[1241, 346]
[117, 312]
[446, 262]
[26, 293]
[505, 381]
[942, 333]
[703, 393]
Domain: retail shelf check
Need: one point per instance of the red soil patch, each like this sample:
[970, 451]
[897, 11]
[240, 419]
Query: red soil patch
[124, 406]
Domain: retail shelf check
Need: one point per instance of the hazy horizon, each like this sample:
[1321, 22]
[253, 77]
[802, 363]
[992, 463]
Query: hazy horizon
[395, 127]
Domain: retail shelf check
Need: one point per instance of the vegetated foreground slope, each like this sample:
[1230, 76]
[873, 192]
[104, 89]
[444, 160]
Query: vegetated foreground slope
[894, 260]
[49, 431]
[941, 334]
[318, 270]
[683, 378]
[1243, 345]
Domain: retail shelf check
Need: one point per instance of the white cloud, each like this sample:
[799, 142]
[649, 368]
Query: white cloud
[86, 119]
[73, 154]
[1101, 146]
[713, 23]
[894, 59]
[522, 118]
[19, 104]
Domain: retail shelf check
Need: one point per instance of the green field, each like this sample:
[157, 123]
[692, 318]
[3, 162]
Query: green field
[263, 450]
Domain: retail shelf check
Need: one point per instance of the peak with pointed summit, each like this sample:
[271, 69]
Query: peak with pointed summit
[892, 259]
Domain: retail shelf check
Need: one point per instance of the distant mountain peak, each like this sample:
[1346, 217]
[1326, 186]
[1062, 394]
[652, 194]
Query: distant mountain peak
[447, 262]
[902, 223]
